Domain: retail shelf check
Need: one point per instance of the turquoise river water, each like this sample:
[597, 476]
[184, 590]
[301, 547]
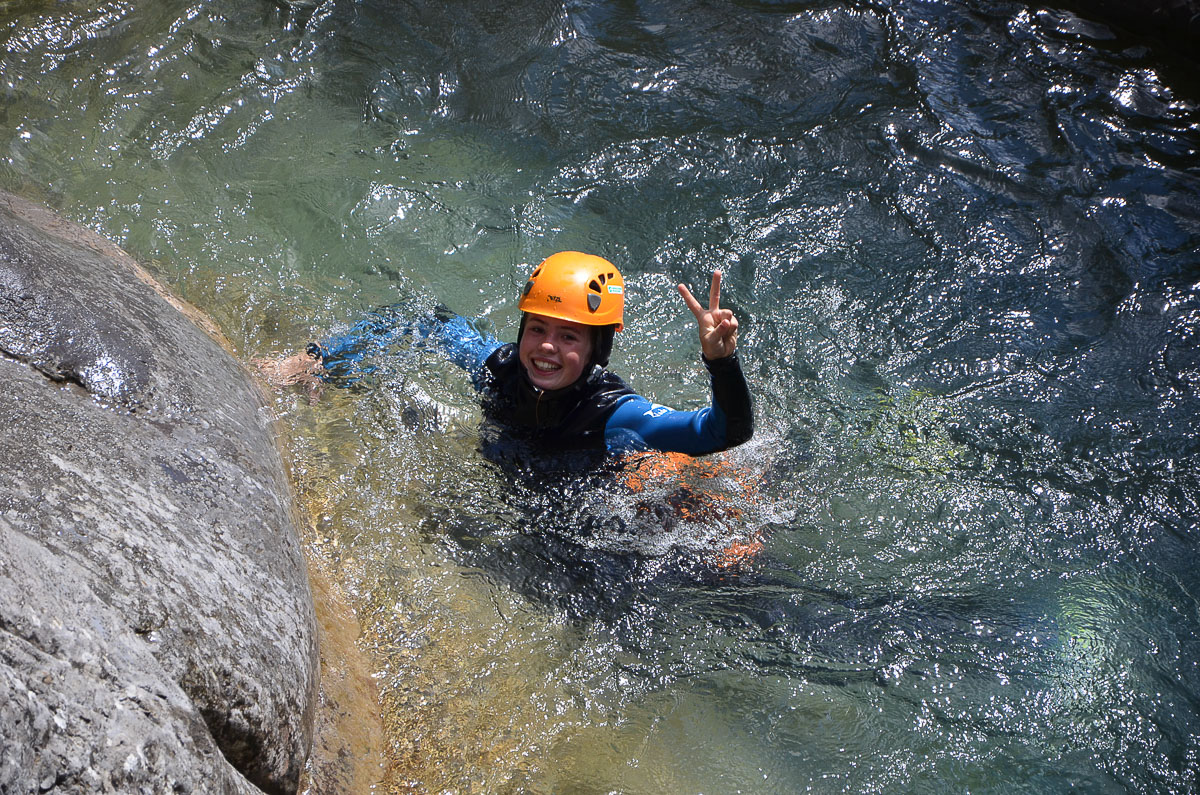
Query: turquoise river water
[962, 240]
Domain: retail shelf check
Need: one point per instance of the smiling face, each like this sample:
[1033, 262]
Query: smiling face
[554, 352]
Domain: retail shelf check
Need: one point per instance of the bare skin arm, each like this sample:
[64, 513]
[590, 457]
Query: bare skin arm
[718, 327]
[300, 369]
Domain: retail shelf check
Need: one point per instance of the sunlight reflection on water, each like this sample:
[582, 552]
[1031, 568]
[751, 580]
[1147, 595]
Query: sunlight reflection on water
[961, 243]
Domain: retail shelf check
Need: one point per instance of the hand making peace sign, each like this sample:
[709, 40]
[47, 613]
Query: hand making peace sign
[718, 327]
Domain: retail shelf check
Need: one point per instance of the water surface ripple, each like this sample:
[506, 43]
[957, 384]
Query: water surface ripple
[962, 240]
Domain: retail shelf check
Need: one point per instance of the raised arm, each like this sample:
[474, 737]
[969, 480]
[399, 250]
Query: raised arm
[718, 327]
[638, 423]
[346, 359]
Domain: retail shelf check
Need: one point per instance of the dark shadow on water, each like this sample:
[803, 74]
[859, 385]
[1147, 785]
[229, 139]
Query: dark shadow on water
[566, 544]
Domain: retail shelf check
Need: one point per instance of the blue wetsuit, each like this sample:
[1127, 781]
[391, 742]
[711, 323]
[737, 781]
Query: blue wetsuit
[598, 412]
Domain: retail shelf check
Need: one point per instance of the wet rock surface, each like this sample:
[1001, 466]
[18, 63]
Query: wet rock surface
[156, 622]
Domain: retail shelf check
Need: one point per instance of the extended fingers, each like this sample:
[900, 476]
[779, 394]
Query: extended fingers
[691, 301]
[714, 296]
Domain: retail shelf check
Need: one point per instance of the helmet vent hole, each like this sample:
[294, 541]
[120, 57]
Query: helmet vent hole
[594, 285]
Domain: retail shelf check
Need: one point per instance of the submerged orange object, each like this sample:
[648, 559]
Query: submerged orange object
[738, 553]
[679, 487]
[644, 469]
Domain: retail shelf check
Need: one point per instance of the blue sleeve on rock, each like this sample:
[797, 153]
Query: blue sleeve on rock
[346, 358]
[463, 343]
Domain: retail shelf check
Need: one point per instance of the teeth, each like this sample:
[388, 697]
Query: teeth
[545, 367]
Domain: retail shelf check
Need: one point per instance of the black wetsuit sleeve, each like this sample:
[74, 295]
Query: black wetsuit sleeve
[732, 395]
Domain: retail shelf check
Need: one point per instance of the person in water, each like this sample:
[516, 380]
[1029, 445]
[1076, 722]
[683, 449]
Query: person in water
[551, 388]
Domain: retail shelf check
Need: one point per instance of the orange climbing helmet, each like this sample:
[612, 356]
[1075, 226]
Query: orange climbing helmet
[582, 288]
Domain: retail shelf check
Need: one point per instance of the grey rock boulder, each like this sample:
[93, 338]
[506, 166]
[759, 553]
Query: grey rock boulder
[156, 623]
[84, 706]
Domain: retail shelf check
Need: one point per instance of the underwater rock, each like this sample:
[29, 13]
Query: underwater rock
[157, 629]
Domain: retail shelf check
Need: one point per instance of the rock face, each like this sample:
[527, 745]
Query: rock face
[156, 623]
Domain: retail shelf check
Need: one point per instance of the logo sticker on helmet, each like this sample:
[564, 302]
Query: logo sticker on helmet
[616, 289]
